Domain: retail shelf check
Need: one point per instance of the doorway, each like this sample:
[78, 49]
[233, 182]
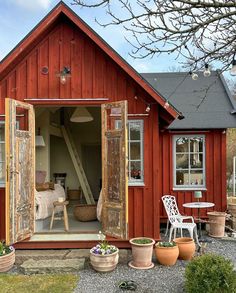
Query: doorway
[20, 167]
[56, 171]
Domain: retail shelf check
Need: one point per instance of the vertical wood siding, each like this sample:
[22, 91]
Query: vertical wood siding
[215, 173]
[93, 75]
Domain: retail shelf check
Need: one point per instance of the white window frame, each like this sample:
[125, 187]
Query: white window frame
[190, 186]
[135, 182]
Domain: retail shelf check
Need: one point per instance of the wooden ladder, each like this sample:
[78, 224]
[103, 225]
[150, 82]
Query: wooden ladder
[78, 165]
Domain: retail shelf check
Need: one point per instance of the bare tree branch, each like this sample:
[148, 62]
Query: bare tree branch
[198, 31]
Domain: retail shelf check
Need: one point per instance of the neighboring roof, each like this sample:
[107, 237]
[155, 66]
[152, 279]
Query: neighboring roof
[61, 8]
[206, 103]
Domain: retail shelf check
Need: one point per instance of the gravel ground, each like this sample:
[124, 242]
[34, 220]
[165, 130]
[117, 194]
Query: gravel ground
[159, 279]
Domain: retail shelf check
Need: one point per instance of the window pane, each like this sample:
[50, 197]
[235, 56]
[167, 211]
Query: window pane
[182, 145]
[135, 170]
[2, 132]
[196, 177]
[182, 177]
[2, 172]
[134, 151]
[196, 161]
[134, 130]
[182, 161]
[196, 144]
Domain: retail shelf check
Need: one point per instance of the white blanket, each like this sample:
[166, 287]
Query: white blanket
[44, 201]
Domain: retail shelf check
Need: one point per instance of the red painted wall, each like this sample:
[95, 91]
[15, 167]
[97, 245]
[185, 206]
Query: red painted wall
[93, 75]
[215, 173]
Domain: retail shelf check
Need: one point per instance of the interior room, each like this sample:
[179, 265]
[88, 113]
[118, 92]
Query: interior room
[68, 169]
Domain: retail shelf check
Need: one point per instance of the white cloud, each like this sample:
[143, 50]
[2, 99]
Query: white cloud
[32, 5]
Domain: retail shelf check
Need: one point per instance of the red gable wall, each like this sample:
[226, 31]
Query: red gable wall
[93, 74]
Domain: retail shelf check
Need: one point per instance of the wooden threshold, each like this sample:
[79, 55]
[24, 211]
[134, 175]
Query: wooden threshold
[70, 244]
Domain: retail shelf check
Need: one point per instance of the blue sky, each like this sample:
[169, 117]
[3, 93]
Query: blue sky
[18, 17]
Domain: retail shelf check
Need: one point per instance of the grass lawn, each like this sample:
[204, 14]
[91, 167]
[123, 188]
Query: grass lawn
[53, 283]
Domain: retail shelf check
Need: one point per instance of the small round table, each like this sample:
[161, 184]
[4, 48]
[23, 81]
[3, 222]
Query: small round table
[199, 205]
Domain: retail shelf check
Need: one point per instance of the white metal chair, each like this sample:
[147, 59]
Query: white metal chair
[176, 219]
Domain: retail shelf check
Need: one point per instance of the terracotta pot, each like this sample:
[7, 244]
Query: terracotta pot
[217, 224]
[7, 261]
[167, 256]
[186, 247]
[142, 254]
[104, 263]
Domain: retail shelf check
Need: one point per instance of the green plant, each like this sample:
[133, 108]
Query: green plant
[103, 247]
[166, 244]
[142, 240]
[5, 249]
[44, 283]
[210, 273]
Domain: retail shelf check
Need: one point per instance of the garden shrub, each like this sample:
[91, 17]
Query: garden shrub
[210, 273]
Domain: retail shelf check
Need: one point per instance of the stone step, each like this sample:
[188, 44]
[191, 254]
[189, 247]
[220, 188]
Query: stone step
[46, 266]
[60, 254]
[37, 254]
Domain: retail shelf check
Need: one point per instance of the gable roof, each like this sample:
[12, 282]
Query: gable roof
[41, 29]
[206, 103]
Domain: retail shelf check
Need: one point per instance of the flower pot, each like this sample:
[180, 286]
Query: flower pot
[167, 256]
[7, 261]
[142, 254]
[217, 224]
[186, 247]
[104, 263]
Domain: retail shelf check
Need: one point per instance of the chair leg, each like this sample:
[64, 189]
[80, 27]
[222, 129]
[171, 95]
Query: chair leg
[175, 232]
[181, 232]
[167, 227]
[191, 232]
[171, 230]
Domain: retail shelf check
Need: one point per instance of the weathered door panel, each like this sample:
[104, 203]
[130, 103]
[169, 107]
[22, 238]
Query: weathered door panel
[20, 170]
[115, 173]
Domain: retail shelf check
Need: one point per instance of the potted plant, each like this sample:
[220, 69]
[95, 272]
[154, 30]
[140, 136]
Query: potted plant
[7, 257]
[166, 253]
[104, 257]
[142, 250]
[186, 246]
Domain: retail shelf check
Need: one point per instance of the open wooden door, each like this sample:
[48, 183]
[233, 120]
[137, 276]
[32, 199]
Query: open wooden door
[20, 170]
[114, 169]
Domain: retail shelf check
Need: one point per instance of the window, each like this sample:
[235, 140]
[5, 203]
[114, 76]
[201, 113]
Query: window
[189, 162]
[135, 152]
[2, 154]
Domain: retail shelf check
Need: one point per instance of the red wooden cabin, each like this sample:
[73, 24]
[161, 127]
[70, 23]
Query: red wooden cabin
[62, 64]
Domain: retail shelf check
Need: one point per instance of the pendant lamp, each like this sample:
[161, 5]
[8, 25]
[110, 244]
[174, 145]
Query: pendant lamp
[39, 140]
[81, 114]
